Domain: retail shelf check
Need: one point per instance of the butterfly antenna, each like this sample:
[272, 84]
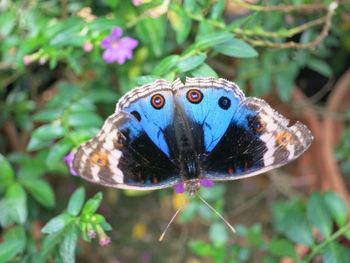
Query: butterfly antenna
[218, 214]
[171, 220]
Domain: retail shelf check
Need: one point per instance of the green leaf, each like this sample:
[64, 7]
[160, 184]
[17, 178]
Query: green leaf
[49, 244]
[201, 248]
[336, 253]
[37, 144]
[68, 245]
[204, 71]
[285, 85]
[297, 228]
[317, 214]
[213, 193]
[84, 119]
[188, 212]
[16, 199]
[5, 217]
[217, 10]
[92, 204]
[218, 234]
[6, 172]
[151, 31]
[166, 65]
[190, 63]
[57, 152]
[282, 248]
[320, 67]
[76, 201]
[142, 80]
[15, 241]
[57, 223]
[47, 115]
[337, 207]
[212, 39]
[9, 249]
[48, 132]
[180, 22]
[40, 190]
[236, 48]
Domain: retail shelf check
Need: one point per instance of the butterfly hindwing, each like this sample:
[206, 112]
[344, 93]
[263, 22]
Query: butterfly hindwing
[122, 155]
[258, 139]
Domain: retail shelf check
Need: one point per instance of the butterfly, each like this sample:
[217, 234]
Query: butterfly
[187, 135]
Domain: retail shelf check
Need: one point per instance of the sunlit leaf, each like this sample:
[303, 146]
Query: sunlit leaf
[76, 201]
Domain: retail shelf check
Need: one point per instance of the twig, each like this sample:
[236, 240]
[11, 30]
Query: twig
[312, 44]
[283, 8]
[317, 249]
[13, 136]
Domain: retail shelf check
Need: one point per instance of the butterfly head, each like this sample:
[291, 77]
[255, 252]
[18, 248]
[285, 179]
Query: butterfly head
[192, 185]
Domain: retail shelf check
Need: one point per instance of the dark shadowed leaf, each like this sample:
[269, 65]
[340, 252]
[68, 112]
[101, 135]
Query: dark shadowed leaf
[297, 228]
[336, 253]
[318, 215]
[320, 67]
[337, 207]
[282, 248]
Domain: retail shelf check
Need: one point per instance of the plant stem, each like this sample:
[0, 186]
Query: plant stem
[316, 250]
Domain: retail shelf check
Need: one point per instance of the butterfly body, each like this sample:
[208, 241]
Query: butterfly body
[164, 134]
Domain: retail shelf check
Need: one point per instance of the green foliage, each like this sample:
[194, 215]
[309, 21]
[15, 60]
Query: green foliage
[294, 222]
[56, 90]
[342, 151]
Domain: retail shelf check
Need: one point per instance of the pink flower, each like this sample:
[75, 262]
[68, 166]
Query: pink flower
[69, 161]
[118, 49]
[88, 46]
[137, 2]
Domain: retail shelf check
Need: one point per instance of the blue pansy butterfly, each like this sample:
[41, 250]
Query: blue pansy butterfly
[187, 135]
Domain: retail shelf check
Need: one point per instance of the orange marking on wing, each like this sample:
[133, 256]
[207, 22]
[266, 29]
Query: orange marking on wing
[99, 158]
[283, 138]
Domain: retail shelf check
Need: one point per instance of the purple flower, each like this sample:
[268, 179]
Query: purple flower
[206, 182]
[69, 161]
[179, 188]
[118, 49]
[104, 240]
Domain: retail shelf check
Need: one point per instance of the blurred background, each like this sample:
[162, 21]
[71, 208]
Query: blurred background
[64, 65]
